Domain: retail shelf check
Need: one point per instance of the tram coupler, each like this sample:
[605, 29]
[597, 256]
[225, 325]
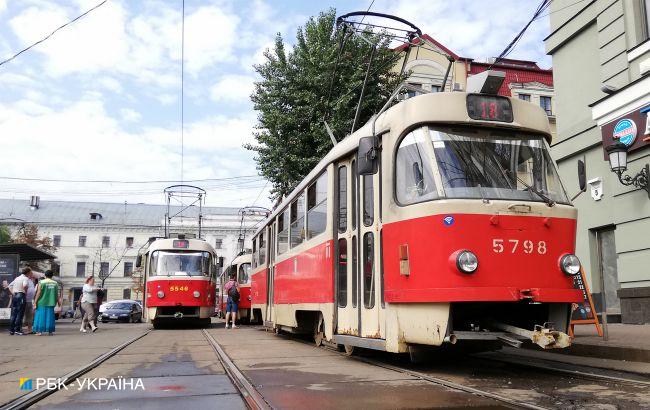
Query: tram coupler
[178, 315]
[543, 336]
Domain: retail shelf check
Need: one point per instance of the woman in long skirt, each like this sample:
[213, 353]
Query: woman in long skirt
[47, 297]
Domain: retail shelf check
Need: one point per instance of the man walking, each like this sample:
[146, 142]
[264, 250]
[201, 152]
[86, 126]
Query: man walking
[18, 289]
[232, 290]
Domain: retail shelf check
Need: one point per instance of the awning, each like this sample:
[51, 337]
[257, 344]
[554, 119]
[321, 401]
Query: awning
[27, 253]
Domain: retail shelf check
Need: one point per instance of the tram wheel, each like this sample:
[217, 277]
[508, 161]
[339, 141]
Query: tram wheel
[348, 350]
[156, 324]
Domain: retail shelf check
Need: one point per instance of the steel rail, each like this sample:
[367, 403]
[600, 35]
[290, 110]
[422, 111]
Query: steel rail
[252, 397]
[514, 360]
[35, 396]
[431, 379]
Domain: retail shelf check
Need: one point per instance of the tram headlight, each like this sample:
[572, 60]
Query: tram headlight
[197, 293]
[570, 264]
[466, 261]
[160, 294]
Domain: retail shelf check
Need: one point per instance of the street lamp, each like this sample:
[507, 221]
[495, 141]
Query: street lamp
[618, 163]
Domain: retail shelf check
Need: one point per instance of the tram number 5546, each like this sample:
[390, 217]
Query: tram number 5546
[515, 245]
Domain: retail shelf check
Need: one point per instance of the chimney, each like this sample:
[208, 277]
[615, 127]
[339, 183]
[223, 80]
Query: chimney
[34, 202]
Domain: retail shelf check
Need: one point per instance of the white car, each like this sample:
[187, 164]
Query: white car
[103, 306]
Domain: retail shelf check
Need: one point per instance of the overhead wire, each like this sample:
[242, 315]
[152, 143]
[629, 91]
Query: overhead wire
[108, 181]
[52, 33]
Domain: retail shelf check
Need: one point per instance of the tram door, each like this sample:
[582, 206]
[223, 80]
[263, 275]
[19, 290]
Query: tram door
[269, 314]
[345, 224]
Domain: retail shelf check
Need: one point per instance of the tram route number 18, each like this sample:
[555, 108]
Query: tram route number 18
[515, 245]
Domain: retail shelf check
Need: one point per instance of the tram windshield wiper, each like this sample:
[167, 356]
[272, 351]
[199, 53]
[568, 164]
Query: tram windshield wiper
[532, 189]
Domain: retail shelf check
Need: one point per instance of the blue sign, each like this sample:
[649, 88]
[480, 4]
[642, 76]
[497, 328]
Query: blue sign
[448, 220]
[625, 131]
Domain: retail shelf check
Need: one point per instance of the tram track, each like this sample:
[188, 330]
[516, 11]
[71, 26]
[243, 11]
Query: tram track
[36, 396]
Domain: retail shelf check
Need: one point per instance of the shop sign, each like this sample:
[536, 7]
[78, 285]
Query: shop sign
[631, 129]
[625, 131]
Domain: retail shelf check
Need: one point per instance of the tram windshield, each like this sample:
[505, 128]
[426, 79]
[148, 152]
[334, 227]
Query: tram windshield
[476, 164]
[164, 263]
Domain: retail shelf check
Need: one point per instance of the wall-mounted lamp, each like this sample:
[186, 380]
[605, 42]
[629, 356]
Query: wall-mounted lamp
[618, 163]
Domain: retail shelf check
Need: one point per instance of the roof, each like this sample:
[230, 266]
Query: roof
[432, 41]
[525, 73]
[68, 212]
[28, 253]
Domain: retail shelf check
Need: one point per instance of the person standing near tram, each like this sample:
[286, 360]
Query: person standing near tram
[18, 289]
[232, 303]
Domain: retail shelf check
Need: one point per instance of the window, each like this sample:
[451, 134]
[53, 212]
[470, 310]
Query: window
[129, 242]
[298, 221]
[126, 294]
[368, 200]
[106, 241]
[413, 171]
[317, 206]
[354, 271]
[190, 263]
[343, 272]
[254, 256]
[368, 270]
[81, 269]
[82, 241]
[128, 269]
[103, 268]
[354, 195]
[95, 216]
[646, 14]
[525, 97]
[545, 103]
[343, 199]
[244, 274]
[218, 243]
[283, 232]
[262, 248]
[56, 241]
[435, 88]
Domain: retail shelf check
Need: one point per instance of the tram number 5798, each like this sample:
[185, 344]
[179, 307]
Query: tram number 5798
[515, 245]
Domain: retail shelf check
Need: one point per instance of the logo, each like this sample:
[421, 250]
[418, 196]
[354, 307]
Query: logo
[448, 220]
[25, 383]
[625, 131]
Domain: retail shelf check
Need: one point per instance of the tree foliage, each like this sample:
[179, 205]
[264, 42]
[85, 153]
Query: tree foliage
[292, 97]
[29, 234]
[5, 234]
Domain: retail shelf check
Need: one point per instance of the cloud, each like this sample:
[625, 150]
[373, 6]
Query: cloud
[233, 88]
[3, 5]
[130, 115]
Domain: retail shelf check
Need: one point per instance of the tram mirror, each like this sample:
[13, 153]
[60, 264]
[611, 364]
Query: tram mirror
[138, 261]
[220, 261]
[582, 175]
[367, 156]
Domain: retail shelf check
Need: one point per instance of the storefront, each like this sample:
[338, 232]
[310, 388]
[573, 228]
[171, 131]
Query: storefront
[624, 247]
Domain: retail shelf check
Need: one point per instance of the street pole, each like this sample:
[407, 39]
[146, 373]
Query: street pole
[603, 302]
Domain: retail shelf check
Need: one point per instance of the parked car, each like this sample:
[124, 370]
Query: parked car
[122, 311]
[104, 305]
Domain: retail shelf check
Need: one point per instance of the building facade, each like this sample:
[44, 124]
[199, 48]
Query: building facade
[92, 238]
[427, 65]
[601, 68]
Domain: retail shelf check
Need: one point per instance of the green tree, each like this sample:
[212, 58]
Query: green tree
[293, 97]
[5, 234]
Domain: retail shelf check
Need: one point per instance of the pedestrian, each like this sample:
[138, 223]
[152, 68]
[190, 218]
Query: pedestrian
[232, 290]
[18, 290]
[47, 297]
[88, 303]
[28, 318]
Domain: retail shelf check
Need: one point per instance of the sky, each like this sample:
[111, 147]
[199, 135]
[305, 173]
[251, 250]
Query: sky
[101, 99]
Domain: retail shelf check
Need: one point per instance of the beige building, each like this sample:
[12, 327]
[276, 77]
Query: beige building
[601, 67]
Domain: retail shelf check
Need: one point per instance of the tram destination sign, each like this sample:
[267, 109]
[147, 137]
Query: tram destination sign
[489, 108]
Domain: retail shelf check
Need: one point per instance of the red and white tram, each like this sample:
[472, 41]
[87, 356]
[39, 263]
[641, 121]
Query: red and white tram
[241, 267]
[442, 219]
[180, 280]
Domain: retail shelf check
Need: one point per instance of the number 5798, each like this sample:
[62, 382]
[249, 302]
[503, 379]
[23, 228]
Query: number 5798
[516, 245]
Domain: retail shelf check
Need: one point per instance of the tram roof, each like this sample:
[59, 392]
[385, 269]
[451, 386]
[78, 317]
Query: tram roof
[431, 108]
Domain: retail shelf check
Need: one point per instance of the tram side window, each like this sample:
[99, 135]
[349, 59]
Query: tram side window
[298, 221]
[368, 270]
[354, 194]
[254, 252]
[283, 232]
[368, 200]
[261, 249]
[244, 275]
[317, 206]
[343, 272]
[343, 199]
[413, 174]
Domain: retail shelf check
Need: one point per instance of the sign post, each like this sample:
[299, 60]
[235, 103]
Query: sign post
[584, 313]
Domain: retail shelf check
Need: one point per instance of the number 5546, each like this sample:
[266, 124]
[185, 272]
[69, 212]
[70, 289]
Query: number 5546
[526, 246]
